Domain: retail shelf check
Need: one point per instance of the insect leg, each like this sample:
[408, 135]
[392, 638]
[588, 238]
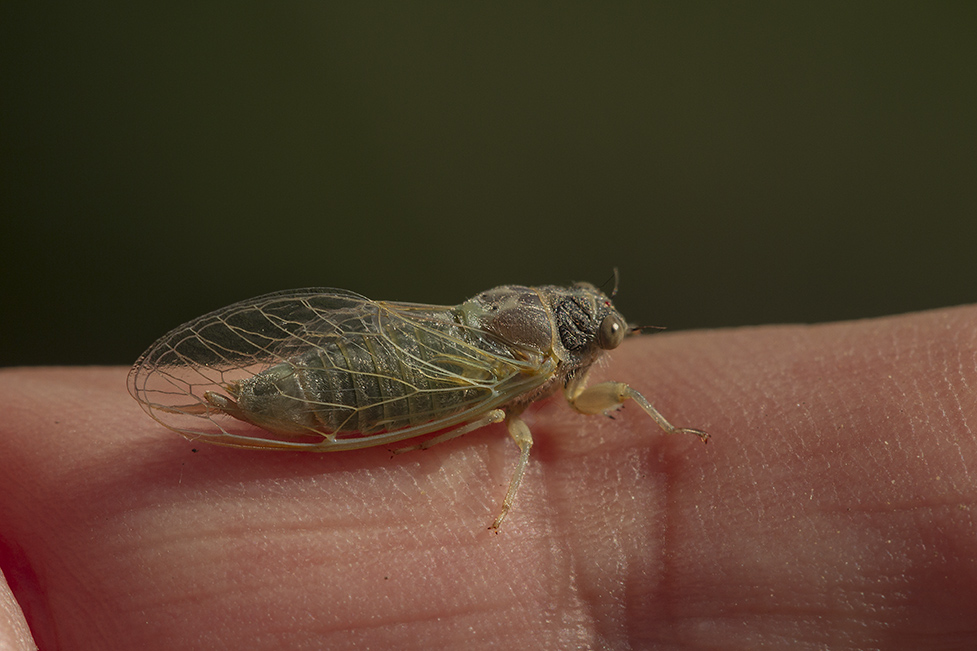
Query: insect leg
[197, 409]
[519, 431]
[609, 395]
[227, 405]
[494, 416]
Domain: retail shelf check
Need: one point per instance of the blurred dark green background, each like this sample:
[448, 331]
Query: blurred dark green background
[741, 165]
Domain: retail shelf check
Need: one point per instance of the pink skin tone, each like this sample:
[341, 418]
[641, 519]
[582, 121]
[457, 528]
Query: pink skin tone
[834, 506]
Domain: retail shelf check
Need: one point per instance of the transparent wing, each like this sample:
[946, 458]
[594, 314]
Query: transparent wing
[394, 370]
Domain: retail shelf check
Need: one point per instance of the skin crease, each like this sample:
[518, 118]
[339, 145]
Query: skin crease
[834, 507]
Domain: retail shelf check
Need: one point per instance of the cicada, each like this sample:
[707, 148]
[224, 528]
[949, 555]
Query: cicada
[327, 369]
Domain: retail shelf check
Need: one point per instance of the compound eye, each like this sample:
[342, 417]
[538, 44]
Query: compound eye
[612, 331]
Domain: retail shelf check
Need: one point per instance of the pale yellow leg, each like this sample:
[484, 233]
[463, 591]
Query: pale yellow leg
[609, 395]
[519, 431]
[494, 416]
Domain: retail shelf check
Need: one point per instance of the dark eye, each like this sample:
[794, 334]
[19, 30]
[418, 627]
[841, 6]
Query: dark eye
[612, 331]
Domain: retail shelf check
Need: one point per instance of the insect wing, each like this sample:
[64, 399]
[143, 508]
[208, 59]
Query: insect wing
[216, 351]
[229, 345]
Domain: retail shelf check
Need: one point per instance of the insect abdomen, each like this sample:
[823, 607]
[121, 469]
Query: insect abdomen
[367, 382]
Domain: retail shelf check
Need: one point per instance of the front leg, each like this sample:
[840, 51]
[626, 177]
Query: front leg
[605, 396]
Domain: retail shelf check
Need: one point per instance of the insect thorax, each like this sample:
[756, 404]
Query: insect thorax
[562, 323]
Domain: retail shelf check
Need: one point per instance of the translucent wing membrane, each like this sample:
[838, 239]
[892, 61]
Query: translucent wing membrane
[328, 369]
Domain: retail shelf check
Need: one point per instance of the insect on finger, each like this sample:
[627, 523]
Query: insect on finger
[328, 370]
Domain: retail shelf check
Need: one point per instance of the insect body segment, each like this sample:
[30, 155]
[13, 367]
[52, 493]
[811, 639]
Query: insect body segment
[327, 369]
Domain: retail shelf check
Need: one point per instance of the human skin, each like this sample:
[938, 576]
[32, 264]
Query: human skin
[832, 508]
